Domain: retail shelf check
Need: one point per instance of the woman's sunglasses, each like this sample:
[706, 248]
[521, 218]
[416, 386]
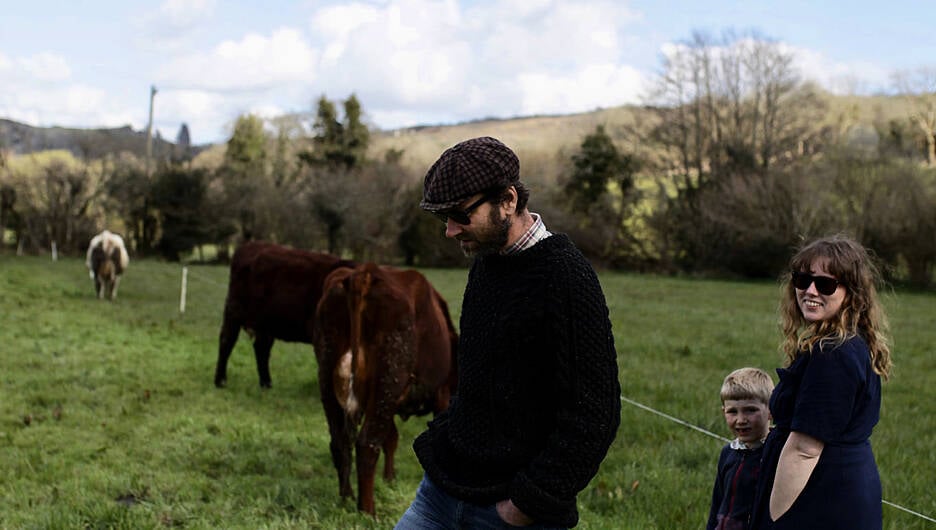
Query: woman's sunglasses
[824, 284]
[462, 217]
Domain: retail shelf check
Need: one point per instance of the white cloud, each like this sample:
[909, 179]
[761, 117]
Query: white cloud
[433, 60]
[854, 77]
[74, 105]
[172, 25]
[184, 13]
[46, 67]
[591, 87]
[252, 63]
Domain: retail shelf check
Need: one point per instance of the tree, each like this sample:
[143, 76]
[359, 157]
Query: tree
[356, 134]
[179, 197]
[244, 174]
[733, 105]
[597, 163]
[601, 186]
[127, 192]
[732, 111]
[56, 197]
[7, 212]
[919, 89]
[336, 156]
[338, 143]
[182, 151]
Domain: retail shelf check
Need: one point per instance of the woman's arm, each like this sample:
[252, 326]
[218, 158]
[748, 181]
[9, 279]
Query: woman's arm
[798, 458]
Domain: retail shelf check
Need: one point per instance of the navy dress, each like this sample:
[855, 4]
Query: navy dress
[834, 396]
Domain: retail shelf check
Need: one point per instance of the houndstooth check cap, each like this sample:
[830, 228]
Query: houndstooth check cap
[467, 168]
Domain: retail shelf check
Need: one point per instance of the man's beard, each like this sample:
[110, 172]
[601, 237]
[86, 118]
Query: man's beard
[489, 240]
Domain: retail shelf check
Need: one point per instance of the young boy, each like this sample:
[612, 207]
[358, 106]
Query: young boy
[745, 395]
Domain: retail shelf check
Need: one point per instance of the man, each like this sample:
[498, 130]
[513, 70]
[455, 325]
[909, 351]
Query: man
[538, 400]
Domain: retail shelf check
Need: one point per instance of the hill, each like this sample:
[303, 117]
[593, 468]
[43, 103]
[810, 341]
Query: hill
[19, 139]
[535, 138]
[547, 139]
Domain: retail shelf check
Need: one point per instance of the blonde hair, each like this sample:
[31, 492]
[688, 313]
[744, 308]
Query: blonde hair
[861, 313]
[747, 383]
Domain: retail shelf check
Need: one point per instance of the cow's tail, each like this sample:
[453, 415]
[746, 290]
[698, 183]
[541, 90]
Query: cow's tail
[356, 310]
[95, 243]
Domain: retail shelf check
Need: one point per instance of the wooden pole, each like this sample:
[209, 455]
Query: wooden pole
[149, 132]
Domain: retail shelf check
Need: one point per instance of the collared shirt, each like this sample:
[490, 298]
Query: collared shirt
[536, 233]
[738, 445]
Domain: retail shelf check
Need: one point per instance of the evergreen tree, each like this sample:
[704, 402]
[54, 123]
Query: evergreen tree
[597, 163]
[244, 172]
[179, 196]
[182, 152]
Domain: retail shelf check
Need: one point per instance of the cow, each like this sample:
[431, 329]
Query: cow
[385, 346]
[272, 294]
[107, 259]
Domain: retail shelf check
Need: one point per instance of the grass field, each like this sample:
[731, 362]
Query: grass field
[109, 418]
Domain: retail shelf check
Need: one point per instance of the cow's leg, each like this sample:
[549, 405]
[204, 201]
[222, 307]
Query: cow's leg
[378, 431]
[113, 295]
[389, 449]
[230, 329]
[263, 343]
[368, 451]
[340, 427]
[98, 287]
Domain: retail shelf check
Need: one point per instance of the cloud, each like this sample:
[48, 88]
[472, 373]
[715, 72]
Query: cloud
[254, 62]
[42, 67]
[841, 77]
[39, 90]
[426, 61]
[73, 105]
[409, 62]
[184, 13]
[590, 87]
[46, 67]
[171, 26]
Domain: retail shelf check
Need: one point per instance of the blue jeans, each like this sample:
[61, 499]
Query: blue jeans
[433, 509]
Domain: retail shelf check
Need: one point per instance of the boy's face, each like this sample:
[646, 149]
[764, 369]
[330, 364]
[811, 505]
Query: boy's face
[748, 419]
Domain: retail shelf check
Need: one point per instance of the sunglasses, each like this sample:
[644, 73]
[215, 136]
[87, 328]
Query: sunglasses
[462, 217]
[824, 284]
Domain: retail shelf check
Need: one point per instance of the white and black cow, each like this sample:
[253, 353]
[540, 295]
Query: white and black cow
[107, 259]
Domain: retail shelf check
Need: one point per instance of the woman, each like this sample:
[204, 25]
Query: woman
[818, 471]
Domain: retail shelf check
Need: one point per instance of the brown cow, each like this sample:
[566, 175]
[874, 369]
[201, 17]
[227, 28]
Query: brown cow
[272, 294]
[385, 345]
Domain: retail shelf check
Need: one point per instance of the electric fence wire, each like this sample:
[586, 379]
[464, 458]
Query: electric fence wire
[722, 438]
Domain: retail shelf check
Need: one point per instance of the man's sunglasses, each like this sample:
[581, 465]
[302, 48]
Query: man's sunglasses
[462, 217]
[824, 284]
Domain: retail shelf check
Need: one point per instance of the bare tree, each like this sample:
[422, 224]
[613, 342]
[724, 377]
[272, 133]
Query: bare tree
[737, 103]
[918, 87]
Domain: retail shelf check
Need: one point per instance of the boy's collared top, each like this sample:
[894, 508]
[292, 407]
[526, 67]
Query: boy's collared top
[738, 445]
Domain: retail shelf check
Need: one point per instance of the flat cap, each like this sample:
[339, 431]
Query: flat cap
[467, 168]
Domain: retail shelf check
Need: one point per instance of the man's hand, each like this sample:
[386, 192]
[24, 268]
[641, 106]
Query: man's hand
[511, 514]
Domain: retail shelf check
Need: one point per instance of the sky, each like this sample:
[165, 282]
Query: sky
[92, 63]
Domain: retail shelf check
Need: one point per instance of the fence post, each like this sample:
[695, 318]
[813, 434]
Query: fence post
[182, 296]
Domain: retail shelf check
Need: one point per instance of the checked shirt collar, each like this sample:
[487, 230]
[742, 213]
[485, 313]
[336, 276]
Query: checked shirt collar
[536, 233]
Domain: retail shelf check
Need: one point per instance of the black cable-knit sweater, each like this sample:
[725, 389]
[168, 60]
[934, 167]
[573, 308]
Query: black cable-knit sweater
[538, 401]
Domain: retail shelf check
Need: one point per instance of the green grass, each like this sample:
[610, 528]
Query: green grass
[109, 417]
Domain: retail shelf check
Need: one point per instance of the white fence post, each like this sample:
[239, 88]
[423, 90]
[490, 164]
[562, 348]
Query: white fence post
[182, 296]
[54, 252]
